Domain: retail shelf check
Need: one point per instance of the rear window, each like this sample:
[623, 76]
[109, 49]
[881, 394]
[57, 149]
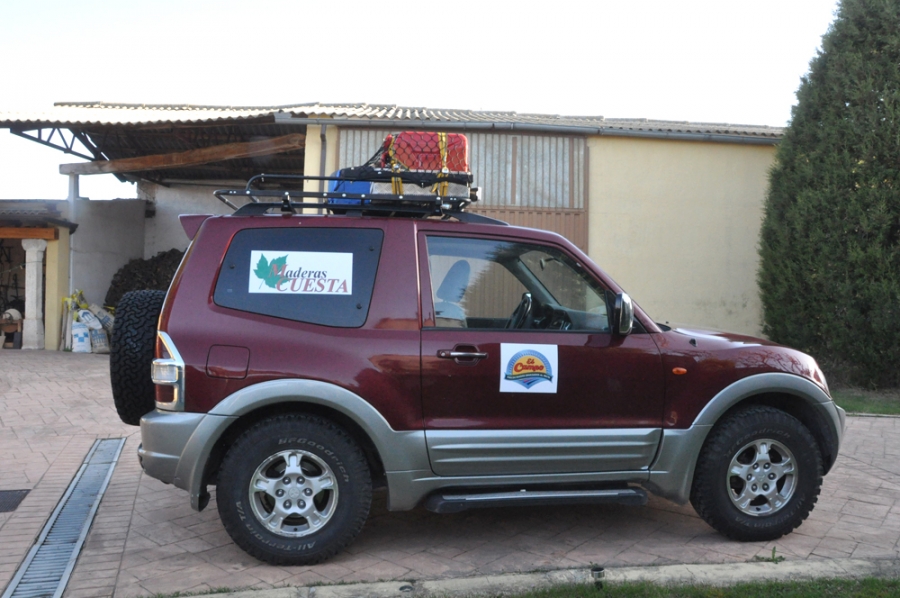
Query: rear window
[316, 275]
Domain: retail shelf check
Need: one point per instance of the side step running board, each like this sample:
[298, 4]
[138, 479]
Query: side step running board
[445, 502]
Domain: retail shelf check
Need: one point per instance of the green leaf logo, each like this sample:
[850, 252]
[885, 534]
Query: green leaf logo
[270, 272]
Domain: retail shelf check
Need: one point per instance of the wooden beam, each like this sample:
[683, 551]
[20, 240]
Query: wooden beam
[229, 151]
[21, 232]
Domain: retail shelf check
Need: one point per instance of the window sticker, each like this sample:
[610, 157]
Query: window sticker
[528, 368]
[301, 273]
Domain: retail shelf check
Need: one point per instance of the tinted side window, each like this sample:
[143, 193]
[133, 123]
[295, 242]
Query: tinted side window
[316, 275]
[492, 291]
[479, 283]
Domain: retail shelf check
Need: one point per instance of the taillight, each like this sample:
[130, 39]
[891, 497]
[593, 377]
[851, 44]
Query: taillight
[164, 394]
[169, 371]
[165, 371]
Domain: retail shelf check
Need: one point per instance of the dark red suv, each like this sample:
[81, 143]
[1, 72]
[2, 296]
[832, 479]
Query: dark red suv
[302, 360]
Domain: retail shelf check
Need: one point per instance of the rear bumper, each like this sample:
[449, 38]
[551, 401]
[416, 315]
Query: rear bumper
[176, 449]
[164, 436]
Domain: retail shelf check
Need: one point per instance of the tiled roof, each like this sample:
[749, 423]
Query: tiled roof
[77, 114]
[29, 207]
[30, 212]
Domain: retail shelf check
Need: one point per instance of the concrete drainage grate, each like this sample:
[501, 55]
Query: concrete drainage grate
[10, 499]
[46, 570]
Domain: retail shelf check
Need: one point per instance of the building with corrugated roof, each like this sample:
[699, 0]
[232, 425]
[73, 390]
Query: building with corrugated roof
[670, 209]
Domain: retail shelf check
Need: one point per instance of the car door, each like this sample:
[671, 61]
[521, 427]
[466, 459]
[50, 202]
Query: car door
[513, 388]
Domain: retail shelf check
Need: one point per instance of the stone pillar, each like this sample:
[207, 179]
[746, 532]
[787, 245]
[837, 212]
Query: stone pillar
[33, 327]
[73, 187]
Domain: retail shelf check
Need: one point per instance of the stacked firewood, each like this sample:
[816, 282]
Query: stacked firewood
[151, 274]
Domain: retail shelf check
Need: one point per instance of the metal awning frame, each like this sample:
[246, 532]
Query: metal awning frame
[56, 138]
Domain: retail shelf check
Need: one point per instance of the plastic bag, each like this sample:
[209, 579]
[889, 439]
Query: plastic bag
[99, 341]
[104, 316]
[88, 319]
[81, 338]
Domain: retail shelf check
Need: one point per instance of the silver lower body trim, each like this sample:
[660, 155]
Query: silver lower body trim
[514, 452]
[672, 474]
[454, 503]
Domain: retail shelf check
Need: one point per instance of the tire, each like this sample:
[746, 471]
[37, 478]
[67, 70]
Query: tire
[758, 476]
[300, 522]
[131, 352]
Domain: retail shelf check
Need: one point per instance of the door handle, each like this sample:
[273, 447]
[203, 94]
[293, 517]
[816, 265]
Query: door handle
[447, 354]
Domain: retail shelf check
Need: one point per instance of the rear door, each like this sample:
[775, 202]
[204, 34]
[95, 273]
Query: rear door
[510, 388]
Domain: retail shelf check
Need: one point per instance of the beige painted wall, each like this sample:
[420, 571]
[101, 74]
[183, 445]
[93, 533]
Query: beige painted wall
[56, 286]
[163, 231]
[312, 157]
[676, 223]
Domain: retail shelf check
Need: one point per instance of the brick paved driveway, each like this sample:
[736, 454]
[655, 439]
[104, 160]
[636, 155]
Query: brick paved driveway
[146, 539]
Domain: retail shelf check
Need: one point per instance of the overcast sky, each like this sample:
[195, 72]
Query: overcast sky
[696, 60]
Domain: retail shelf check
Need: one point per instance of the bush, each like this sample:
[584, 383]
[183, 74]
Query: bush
[830, 242]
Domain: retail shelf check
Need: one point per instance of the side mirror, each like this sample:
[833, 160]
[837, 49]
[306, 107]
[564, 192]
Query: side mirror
[623, 315]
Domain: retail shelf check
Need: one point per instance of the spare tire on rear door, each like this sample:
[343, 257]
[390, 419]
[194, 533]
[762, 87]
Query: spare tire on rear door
[131, 352]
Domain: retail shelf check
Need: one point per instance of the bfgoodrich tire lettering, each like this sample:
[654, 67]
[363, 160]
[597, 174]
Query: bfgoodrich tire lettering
[294, 490]
[758, 476]
[131, 352]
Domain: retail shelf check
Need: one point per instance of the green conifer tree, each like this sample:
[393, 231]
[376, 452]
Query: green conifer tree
[830, 242]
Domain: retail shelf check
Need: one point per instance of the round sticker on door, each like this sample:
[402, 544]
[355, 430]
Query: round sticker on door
[529, 368]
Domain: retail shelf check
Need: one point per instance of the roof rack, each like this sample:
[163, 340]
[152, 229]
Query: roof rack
[419, 201]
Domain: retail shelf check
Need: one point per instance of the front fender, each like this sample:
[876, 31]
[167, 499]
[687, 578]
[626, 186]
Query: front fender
[672, 474]
[758, 384]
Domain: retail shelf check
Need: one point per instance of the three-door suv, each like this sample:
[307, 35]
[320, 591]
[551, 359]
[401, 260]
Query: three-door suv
[301, 360]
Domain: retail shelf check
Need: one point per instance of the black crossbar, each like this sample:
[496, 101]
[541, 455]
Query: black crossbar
[255, 209]
[409, 204]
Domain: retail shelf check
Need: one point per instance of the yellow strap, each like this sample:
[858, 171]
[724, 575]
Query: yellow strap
[442, 187]
[396, 182]
[442, 145]
[391, 149]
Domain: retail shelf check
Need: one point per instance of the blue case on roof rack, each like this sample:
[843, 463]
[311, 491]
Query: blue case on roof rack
[347, 186]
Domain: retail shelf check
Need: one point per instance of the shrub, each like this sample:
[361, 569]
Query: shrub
[830, 241]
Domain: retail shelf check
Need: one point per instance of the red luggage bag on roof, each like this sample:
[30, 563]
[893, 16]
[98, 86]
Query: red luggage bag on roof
[418, 150]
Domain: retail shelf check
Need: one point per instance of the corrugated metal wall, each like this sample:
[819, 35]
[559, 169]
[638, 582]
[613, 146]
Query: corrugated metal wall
[526, 180]
[529, 170]
[358, 145]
